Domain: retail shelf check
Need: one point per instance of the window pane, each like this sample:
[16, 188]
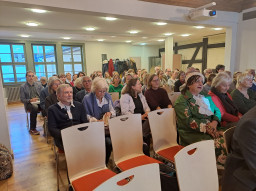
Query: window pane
[38, 49]
[49, 50]
[8, 78]
[76, 50]
[39, 75]
[19, 57]
[78, 67]
[49, 74]
[21, 77]
[5, 48]
[66, 49]
[40, 68]
[50, 57]
[51, 68]
[77, 58]
[67, 58]
[18, 49]
[7, 69]
[8, 75]
[20, 69]
[5, 58]
[38, 57]
[68, 67]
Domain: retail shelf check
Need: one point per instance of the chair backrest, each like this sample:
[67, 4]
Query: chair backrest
[126, 136]
[114, 96]
[173, 96]
[84, 146]
[163, 128]
[145, 177]
[196, 167]
[228, 136]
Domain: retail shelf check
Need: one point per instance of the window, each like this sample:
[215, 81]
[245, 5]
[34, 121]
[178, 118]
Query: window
[13, 63]
[44, 60]
[72, 59]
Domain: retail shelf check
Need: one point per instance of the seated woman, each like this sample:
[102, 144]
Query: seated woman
[99, 106]
[78, 86]
[229, 112]
[180, 81]
[157, 98]
[243, 97]
[197, 116]
[162, 78]
[116, 85]
[132, 101]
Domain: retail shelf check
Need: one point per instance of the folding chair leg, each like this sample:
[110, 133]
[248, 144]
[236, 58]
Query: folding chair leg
[28, 121]
[57, 171]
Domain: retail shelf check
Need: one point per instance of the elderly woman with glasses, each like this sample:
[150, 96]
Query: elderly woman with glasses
[157, 98]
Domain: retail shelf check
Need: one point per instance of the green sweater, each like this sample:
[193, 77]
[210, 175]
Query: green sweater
[243, 104]
[116, 89]
[191, 124]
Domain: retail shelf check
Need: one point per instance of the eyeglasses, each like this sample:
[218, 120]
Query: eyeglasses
[155, 80]
[87, 81]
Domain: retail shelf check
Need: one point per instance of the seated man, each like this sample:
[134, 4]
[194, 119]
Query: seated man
[87, 83]
[240, 168]
[29, 93]
[65, 113]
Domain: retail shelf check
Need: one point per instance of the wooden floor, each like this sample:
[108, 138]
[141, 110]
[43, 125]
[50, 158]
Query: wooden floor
[34, 160]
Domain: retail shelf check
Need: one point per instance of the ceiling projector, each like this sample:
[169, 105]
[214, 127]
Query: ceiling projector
[201, 13]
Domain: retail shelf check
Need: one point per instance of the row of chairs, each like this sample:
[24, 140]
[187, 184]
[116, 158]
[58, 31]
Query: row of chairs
[85, 153]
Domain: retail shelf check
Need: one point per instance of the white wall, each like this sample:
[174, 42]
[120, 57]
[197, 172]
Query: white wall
[94, 50]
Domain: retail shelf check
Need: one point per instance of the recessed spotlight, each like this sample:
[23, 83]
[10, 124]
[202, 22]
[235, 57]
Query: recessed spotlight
[133, 32]
[161, 23]
[100, 40]
[24, 35]
[199, 27]
[66, 38]
[38, 10]
[143, 43]
[32, 24]
[113, 36]
[144, 37]
[110, 18]
[168, 34]
[185, 35]
[160, 40]
[128, 41]
[90, 28]
[217, 29]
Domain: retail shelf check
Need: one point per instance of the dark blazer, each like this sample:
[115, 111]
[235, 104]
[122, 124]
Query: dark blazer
[80, 95]
[50, 100]
[240, 168]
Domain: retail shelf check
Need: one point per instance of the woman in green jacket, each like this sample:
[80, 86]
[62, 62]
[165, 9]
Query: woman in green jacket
[197, 116]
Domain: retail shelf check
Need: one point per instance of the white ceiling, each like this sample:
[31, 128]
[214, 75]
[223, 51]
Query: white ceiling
[58, 23]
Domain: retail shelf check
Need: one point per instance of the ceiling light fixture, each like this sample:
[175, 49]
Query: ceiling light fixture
[199, 27]
[110, 18]
[32, 24]
[161, 23]
[133, 32]
[90, 28]
[168, 34]
[217, 29]
[38, 10]
[24, 35]
[144, 37]
[160, 40]
[185, 35]
[143, 43]
[66, 38]
[128, 41]
[100, 40]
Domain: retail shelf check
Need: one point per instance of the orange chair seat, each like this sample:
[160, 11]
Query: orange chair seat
[170, 152]
[93, 180]
[136, 161]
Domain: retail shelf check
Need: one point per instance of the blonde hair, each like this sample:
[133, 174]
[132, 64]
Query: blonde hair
[51, 82]
[78, 81]
[220, 78]
[99, 83]
[242, 77]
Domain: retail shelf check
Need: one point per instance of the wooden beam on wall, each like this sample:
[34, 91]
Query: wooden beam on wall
[204, 53]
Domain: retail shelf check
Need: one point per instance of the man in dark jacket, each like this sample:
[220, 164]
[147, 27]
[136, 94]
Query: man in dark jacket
[65, 113]
[29, 96]
[240, 169]
[87, 83]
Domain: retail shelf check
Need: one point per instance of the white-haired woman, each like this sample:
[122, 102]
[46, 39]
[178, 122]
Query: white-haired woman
[98, 105]
[243, 97]
[78, 86]
[223, 100]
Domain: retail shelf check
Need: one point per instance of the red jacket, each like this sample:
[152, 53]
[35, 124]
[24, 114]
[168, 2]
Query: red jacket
[225, 117]
[110, 67]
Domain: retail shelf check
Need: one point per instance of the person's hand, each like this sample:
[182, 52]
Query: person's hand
[33, 99]
[108, 114]
[158, 108]
[212, 131]
[144, 116]
[169, 106]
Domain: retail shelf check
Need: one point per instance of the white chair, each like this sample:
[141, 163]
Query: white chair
[127, 142]
[164, 133]
[84, 147]
[114, 96]
[173, 96]
[228, 136]
[196, 167]
[146, 177]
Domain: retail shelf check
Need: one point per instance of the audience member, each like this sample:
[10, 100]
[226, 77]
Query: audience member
[68, 78]
[222, 99]
[145, 83]
[80, 74]
[240, 168]
[234, 82]
[64, 114]
[116, 85]
[197, 116]
[43, 81]
[252, 72]
[87, 83]
[243, 97]
[173, 79]
[35, 79]
[157, 68]
[162, 78]
[43, 94]
[157, 98]
[180, 81]
[107, 78]
[29, 93]
[207, 72]
[208, 84]
[168, 72]
[220, 68]
[78, 86]
[62, 78]
[73, 79]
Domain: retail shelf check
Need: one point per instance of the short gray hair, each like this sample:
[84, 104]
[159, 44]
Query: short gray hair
[99, 83]
[43, 79]
[242, 77]
[220, 78]
[51, 82]
[61, 87]
[78, 81]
